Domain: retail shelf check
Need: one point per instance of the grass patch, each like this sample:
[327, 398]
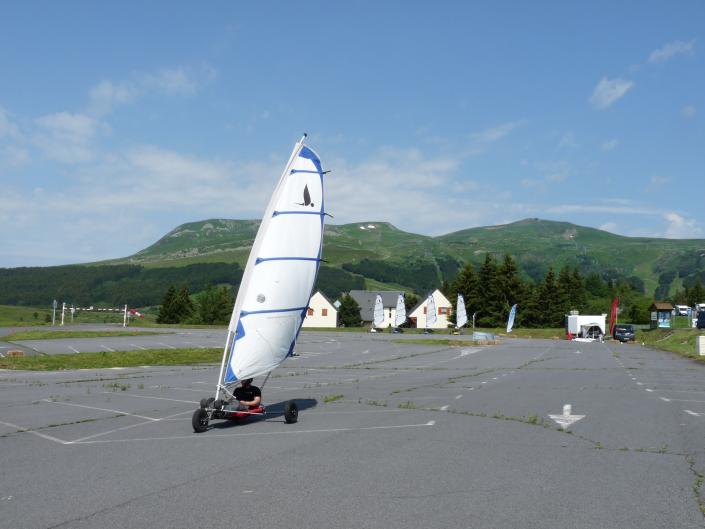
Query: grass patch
[679, 341]
[331, 398]
[151, 357]
[58, 335]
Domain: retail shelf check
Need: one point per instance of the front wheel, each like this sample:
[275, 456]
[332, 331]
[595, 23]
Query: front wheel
[291, 412]
[199, 421]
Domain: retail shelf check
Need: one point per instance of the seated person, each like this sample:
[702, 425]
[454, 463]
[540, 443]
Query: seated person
[249, 396]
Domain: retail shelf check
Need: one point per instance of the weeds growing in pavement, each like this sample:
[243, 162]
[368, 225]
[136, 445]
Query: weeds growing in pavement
[332, 398]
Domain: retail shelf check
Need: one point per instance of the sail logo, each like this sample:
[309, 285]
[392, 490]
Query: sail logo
[307, 198]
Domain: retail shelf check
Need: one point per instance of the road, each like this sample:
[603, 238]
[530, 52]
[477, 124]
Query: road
[390, 435]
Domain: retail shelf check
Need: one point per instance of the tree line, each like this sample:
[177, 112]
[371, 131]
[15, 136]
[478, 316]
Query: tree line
[494, 287]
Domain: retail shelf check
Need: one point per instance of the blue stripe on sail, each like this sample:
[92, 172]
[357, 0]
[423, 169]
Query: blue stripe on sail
[293, 342]
[294, 171]
[310, 155]
[262, 259]
[239, 333]
[322, 213]
[270, 311]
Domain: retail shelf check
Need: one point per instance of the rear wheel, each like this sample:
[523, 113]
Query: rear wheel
[199, 421]
[291, 412]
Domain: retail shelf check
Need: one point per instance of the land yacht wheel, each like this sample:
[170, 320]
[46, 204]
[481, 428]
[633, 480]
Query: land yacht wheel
[199, 421]
[291, 412]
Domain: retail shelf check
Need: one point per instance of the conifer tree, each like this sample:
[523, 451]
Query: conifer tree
[548, 302]
[214, 305]
[166, 311]
[491, 309]
[349, 312]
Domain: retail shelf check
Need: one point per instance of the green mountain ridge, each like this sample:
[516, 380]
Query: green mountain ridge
[381, 252]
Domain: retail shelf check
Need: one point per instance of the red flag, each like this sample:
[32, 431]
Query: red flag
[613, 315]
[133, 312]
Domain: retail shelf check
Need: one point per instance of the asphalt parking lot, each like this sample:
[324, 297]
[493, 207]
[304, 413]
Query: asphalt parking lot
[390, 435]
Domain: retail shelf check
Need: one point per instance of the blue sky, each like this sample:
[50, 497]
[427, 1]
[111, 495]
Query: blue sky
[120, 121]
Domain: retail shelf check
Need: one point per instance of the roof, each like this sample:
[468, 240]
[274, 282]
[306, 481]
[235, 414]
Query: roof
[325, 298]
[425, 299]
[366, 300]
[661, 305]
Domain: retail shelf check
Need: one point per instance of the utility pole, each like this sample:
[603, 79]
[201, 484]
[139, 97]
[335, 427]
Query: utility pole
[53, 314]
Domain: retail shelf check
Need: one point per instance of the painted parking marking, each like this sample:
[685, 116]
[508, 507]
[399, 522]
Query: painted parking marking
[683, 400]
[129, 426]
[694, 414]
[166, 345]
[34, 432]
[74, 349]
[99, 409]
[123, 394]
[458, 397]
[107, 348]
[258, 434]
[138, 346]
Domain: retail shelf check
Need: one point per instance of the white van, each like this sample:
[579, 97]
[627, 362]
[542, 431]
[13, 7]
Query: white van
[681, 310]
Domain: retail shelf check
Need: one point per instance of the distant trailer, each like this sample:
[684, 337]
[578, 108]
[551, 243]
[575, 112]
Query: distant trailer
[586, 326]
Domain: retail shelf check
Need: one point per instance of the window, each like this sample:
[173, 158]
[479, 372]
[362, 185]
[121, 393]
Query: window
[309, 312]
[425, 310]
[324, 312]
[444, 310]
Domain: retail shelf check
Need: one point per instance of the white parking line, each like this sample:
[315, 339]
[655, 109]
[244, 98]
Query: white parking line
[683, 400]
[99, 409]
[138, 346]
[166, 345]
[694, 413]
[74, 349]
[168, 418]
[33, 432]
[259, 434]
[123, 394]
[108, 348]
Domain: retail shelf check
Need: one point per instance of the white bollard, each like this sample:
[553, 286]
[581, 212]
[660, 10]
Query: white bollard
[700, 344]
[567, 409]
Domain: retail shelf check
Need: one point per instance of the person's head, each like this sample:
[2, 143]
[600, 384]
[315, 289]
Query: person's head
[246, 382]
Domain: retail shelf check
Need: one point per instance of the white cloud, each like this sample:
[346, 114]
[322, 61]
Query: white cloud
[567, 141]
[672, 49]
[689, 111]
[680, 227]
[657, 181]
[67, 137]
[7, 128]
[608, 91]
[180, 81]
[609, 145]
[498, 132]
[13, 156]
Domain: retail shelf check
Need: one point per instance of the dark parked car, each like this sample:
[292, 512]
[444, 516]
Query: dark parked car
[623, 333]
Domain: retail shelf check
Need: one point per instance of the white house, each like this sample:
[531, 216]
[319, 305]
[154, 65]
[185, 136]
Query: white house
[366, 300]
[443, 311]
[321, 312]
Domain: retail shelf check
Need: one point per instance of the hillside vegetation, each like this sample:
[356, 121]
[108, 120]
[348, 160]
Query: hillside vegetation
[362, 255]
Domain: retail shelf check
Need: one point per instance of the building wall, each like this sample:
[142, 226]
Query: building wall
[315, 317]
[443, 311]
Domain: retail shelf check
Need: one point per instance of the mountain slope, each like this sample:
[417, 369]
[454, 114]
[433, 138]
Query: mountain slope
[382, 252]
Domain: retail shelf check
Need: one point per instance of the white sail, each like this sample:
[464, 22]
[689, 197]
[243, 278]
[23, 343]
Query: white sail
[461, 316]
[510, 320]
[400, 317]
[280, 273]
[379, 311]
[430, 311]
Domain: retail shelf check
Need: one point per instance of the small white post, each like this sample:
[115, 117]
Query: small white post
[124, 318]
[63, 310]
[701, 345]
[73, 310]
[567, 410]
[53, 314]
